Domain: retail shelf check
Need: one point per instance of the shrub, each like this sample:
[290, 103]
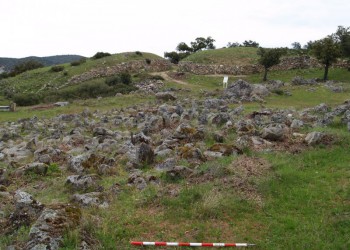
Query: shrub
[124, 78]
[94, 90]
[26, 99]
[57, 68]
[111, 81]
[278, 91]
[99, 55]
[4, 75]
[25, 66]
[123, 88]
[77, 63]
[138, 53]
[89, 90]
[156, 77]
[148, 61]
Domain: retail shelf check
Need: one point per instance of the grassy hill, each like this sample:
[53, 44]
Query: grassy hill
[237, 56]
[33, 81]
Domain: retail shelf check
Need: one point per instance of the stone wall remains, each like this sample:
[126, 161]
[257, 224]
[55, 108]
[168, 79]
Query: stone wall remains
[131, 67]
[302, 62]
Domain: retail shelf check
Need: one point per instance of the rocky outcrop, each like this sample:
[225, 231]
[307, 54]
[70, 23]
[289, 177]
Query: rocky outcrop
[83, 182]
[165, 96]
[27, 210]
[244, 91]
[47, 232]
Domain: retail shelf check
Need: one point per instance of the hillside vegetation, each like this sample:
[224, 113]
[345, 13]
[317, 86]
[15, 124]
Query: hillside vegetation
[228, 56]
[56, 78]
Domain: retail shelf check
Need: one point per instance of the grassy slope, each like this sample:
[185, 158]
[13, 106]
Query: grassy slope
[197, 83]
[306, 196]
[33, 80]
[235, 56]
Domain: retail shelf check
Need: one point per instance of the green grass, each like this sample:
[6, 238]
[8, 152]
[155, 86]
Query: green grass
[33, 81]
[235, 56]
[337, 74]
[308, 200]
[306, 206]
[77, 106]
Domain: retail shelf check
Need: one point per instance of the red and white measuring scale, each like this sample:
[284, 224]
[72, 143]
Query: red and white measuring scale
[185, 244]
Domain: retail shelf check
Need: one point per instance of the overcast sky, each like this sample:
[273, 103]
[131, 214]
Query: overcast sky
[84, 27]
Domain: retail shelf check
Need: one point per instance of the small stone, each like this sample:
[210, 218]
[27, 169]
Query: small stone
[273, 132]
[145, 154]
[314, 138]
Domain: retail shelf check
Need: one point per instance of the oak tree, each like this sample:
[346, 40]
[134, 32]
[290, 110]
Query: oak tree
[269, 58]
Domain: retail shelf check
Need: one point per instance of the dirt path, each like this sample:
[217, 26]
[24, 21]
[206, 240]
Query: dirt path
[165, 75]
[235, 76]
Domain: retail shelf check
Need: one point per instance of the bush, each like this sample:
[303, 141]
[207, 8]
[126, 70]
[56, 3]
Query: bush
[26, 99]
[123, 88]
[148, 61]
[138, 53]
[99, 55]
[156, 77]
[25, 66]
[124, 78]
[88, 90]
[4, 75]
[114, 80]
[278, 91]
[77, 63]
[57, 68]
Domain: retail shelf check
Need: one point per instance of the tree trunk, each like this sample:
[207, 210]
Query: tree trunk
[265, 75]
[326, 67]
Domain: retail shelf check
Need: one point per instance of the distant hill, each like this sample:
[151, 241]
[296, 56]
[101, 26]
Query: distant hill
[7, 64]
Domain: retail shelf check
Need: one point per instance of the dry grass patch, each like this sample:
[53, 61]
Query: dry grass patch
[247, 171]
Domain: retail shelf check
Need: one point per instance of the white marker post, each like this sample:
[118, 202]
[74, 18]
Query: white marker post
[224, 82]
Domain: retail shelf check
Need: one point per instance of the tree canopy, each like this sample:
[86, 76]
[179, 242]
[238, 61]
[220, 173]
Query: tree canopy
[296, 46]
[250, 43]
[185, 50]
[342, 36]
[269, 58]
[326, 50]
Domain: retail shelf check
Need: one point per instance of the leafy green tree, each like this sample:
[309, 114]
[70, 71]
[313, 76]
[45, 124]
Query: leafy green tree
[250, 43]
[183, 47]
[99, 55]
[269, 58]
[233, 45]
[184, 50]
[175, 57]
[308, 45]
[326, 50]
[203, 43]
[342, 36]
[296, 46]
